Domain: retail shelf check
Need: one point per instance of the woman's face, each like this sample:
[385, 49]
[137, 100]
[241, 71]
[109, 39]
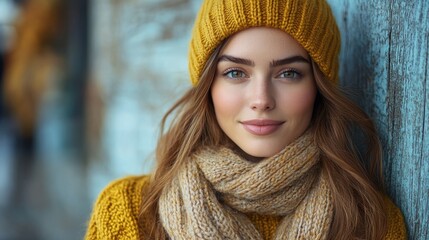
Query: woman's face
[263, 92]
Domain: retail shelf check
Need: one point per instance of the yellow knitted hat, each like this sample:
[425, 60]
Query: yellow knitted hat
[310, 22]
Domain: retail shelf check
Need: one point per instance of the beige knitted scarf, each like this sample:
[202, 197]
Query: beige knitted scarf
[210, 194]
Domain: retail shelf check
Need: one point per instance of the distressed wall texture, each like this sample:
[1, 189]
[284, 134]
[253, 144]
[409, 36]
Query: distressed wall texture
[385, 63]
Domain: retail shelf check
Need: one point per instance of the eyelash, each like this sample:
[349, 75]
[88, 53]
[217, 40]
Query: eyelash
[230, 70]
[290, 70]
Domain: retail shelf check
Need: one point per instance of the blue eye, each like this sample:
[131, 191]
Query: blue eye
[234, 74]
[292, 74]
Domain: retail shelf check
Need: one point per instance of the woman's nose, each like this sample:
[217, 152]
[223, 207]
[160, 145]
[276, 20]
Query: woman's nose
[262, 98]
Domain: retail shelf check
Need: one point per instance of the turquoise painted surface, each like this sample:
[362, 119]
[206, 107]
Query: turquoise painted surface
[385, 63]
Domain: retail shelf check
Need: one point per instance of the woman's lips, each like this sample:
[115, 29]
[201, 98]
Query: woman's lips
[261, 126]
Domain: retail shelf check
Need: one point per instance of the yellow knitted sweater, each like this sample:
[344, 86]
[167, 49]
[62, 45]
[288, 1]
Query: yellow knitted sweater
[115, 214]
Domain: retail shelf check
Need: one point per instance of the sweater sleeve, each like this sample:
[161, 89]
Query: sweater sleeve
[396, 229]
[115, 213]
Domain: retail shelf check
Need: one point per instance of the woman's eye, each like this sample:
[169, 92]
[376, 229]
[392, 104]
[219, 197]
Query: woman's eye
[235, 74]
[290, 74]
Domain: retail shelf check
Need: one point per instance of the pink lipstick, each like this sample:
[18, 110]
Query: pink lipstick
[261, 126]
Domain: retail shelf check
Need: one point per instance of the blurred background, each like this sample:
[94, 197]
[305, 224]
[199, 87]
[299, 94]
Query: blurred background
[83, 87]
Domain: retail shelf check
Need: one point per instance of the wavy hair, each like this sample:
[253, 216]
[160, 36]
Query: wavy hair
[358, 200]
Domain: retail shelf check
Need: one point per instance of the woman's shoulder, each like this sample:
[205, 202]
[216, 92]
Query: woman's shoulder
[127, 190]
[116, 210]
[396, 229]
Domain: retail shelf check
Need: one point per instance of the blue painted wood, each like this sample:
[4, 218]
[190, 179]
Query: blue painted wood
[385, 63]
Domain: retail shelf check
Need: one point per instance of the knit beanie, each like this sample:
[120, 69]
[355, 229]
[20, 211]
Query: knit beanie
[309, 22]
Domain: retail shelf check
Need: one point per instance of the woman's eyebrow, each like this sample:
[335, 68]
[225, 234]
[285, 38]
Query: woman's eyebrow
[288, 60]
[236, 60]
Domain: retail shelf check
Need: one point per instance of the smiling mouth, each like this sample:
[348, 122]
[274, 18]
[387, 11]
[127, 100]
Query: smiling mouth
[261, 126]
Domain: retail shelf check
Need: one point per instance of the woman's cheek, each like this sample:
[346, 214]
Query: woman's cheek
[301, 102]
[225, 100]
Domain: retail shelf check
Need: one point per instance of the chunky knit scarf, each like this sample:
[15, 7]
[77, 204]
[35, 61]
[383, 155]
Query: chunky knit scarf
[209, 196]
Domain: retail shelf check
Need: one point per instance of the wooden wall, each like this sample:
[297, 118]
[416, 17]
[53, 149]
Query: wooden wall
[385, 63]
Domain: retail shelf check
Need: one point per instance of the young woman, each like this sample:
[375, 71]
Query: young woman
[261, 146]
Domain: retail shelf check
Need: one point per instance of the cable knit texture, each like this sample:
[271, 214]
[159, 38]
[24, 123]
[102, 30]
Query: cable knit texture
[210, 195]
[116, 212]
[309, 22]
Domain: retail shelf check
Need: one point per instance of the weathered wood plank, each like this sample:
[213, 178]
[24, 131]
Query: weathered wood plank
[408, 87]
[384, 60]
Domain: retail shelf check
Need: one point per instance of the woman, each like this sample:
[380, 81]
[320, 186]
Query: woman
[261, 145]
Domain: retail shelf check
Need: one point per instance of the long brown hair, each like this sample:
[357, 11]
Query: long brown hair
[354, 179]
